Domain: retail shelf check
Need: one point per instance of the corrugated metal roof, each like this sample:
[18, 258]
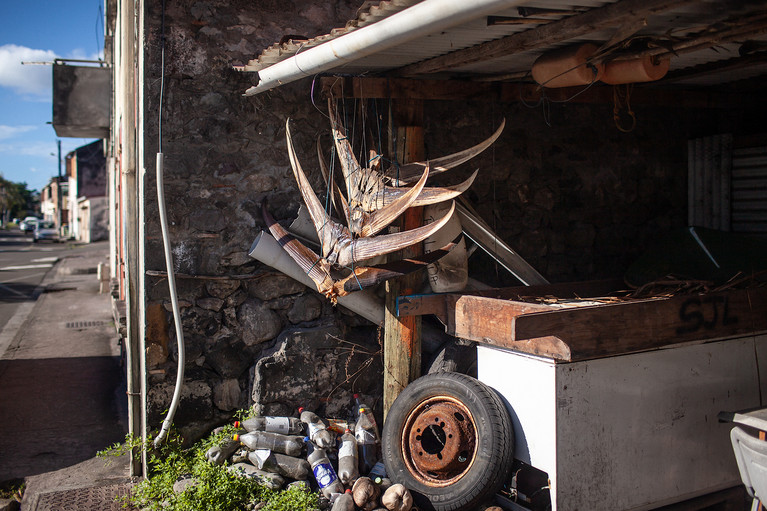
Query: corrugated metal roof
[674, 23]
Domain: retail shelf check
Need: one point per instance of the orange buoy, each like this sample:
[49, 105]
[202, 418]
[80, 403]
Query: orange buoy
[646, 69]
[567, 67]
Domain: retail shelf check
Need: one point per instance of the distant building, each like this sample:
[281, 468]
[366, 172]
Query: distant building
[86, 170]
[49, 200]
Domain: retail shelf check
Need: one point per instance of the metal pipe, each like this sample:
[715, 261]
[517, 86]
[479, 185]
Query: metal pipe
[424, 18]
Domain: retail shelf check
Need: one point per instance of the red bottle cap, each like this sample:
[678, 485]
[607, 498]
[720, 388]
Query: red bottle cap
[237, 424]
[356, 396]
[300, 409]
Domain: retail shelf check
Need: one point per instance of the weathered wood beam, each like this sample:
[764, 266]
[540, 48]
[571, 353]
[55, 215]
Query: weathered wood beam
[715, 68]
[579, 333]
[740, 29]
[612, 15]
[455, 90]
[402, 335]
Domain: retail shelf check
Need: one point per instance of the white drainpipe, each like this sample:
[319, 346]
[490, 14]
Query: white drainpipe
[424, 18]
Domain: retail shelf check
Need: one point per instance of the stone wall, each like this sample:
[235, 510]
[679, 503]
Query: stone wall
[577, 198]
[224, 154]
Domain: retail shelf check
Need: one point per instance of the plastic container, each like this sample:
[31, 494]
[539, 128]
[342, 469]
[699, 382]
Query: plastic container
[218, 454]
[647, 69]
[270, 480]
[324, 473]
[316, 430]
[284, 444]
[378, 471]
[344, 502]
[568, 67]
[288, 466]
[366, 433]
[281, 425]
[348, 460]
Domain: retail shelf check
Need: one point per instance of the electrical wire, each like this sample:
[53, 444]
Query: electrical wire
[166, 424]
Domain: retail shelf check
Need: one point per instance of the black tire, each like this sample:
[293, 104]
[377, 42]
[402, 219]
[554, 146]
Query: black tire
[465, 453]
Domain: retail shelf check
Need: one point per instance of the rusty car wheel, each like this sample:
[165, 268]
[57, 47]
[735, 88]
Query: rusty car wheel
[449, 439]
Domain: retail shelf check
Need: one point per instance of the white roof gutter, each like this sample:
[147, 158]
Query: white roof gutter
[424, 18]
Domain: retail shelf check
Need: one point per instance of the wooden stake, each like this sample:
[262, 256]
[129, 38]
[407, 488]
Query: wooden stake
[402, 336]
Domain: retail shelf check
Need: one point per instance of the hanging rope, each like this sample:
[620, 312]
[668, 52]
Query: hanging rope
[621, 99]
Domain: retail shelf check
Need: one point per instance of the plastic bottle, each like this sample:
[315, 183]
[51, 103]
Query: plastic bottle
[288, 466]
[368, 441]
[344, 502]
[316, 429]
[282, 425]
[348, 462]
[290, 445]
[378, 470]
[324, 474]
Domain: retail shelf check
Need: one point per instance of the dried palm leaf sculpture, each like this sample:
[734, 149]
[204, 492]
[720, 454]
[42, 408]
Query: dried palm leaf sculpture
[369, 207]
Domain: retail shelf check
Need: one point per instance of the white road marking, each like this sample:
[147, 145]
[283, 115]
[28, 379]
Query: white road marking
[22, 278]
[26, 267]
[45, 260]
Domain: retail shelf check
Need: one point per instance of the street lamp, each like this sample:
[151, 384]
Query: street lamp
[58, 191]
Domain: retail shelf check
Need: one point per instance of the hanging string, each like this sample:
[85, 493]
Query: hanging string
[544, 101]
[619, 100]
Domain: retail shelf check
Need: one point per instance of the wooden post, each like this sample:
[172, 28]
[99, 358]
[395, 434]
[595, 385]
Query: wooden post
[402, 336]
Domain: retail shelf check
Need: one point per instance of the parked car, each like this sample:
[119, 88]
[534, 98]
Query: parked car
[28, 224]
[46, 230]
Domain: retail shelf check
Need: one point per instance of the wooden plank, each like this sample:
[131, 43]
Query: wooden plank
[579, 333]
[605, 330]
[455, 90]
[420, 305]
[611, 15]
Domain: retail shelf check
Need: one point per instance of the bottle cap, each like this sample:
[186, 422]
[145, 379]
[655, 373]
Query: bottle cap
[356, 396]
[300, 409]
[378, 480]
[236, 438]
[348, 490]
[237, 424]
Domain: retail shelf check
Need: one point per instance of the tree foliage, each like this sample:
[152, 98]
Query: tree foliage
[15, 199]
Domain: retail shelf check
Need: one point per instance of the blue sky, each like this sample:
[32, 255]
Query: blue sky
[39, 31]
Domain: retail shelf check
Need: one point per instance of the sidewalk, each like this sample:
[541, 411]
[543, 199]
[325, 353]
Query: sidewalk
[62, 396]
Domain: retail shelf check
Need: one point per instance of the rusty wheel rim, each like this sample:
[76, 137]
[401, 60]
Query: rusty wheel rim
[439, 441]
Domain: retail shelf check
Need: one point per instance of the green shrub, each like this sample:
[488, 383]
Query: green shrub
[215, 487]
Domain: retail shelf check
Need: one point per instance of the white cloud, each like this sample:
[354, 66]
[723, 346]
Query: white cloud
[12, 131]
[26, 80]
[40, 149]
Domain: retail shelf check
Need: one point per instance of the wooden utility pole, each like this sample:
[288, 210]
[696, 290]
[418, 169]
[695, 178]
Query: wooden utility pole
[402, 336]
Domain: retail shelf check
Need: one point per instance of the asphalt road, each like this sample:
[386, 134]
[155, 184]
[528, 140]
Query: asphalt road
[23, 264]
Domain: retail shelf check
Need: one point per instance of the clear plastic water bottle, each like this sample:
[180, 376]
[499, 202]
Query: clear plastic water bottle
[344, 502]
[348, 462]
[282, 425]
[290, 445]
[324, 474]
[368, 441]
[316, 429]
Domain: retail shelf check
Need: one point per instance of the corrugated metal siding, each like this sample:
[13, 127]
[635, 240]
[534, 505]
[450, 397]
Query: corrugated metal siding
[709, 174]
[673, 23]
[749, 190]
